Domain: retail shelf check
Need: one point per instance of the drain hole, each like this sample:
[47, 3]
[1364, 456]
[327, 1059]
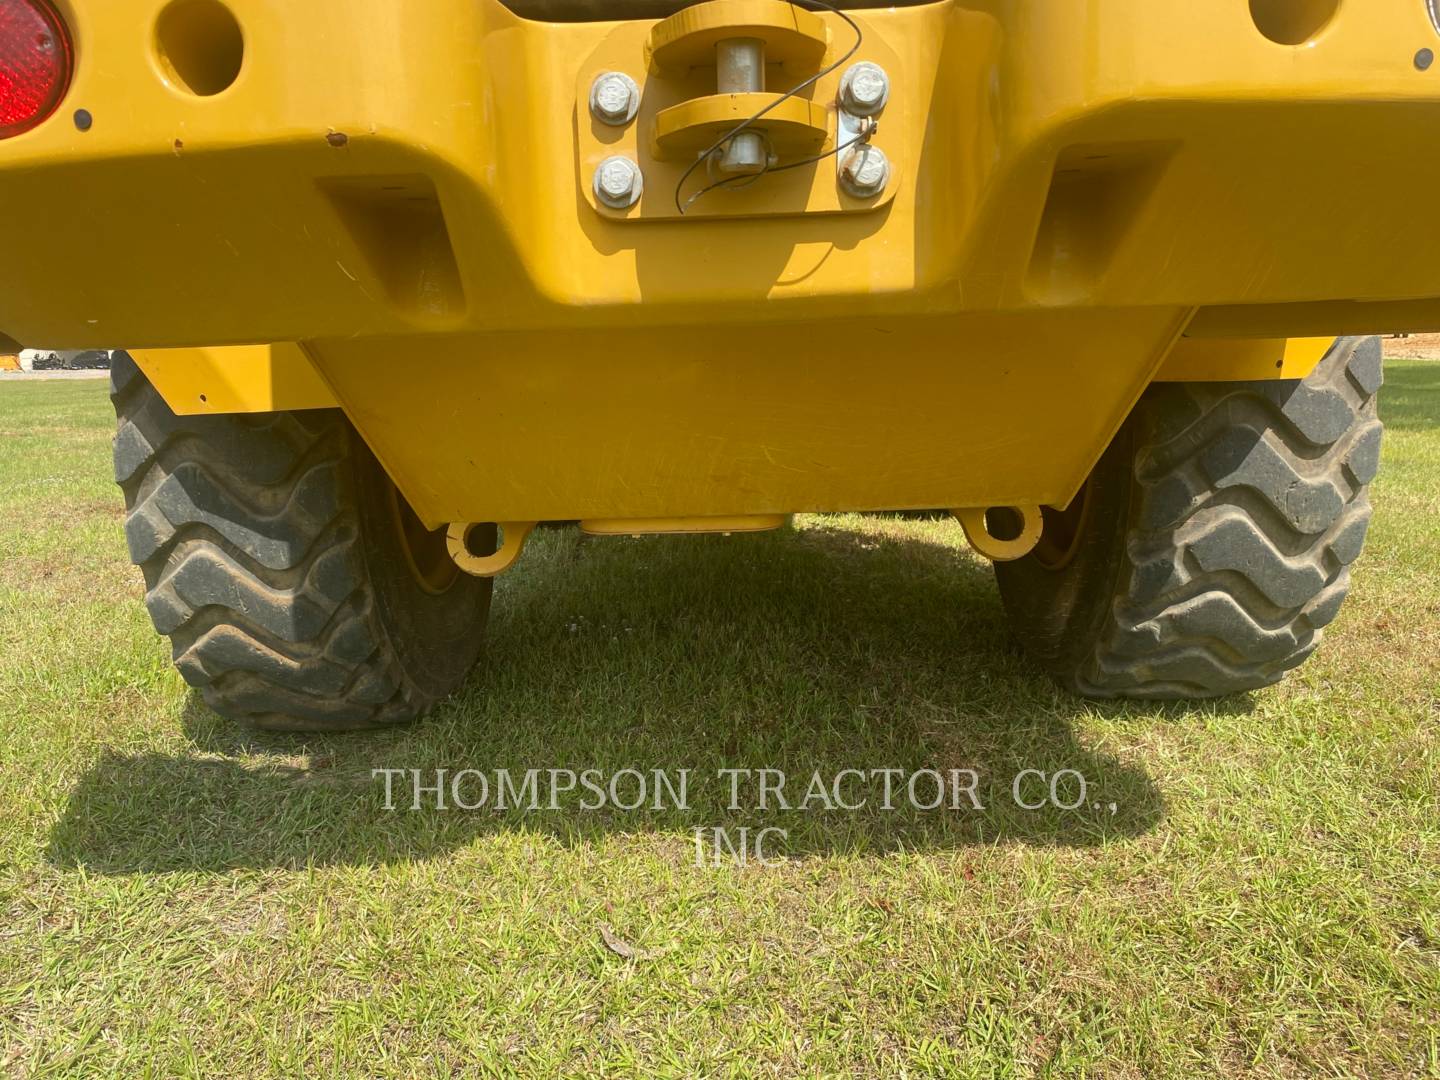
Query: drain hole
[200, 46]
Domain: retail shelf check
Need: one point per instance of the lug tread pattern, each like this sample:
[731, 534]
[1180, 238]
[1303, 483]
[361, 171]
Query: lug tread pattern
[1253, 504]
[249, 543]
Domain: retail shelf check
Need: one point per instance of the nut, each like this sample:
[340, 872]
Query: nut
[619, 183]
[614, 98]
[864, 89]
[865, 171]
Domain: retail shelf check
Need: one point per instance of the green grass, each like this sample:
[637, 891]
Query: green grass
[183, 897]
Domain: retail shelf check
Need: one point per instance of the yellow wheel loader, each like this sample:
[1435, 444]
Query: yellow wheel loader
[401, 281]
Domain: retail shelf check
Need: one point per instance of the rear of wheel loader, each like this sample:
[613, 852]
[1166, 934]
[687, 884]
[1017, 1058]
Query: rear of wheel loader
[400, 282]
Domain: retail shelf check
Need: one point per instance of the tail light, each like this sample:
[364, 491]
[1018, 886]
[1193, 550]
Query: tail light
[35, 64]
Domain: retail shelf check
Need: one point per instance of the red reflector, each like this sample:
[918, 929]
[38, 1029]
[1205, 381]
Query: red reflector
[34, 64]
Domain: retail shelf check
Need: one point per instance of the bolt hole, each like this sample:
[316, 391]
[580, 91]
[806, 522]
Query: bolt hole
[200, 46]
[1292, 22]
[204, 398]
[1004, 523]
[484, 540]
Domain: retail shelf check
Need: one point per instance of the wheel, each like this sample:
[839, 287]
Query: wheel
[1213, 542]
[298, 589]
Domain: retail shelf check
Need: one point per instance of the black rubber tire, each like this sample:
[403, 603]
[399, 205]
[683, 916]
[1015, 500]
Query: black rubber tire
[275, 562]
[1216, 539]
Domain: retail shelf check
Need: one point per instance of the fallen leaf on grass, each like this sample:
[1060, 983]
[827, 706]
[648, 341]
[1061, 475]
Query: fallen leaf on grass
[618, 945]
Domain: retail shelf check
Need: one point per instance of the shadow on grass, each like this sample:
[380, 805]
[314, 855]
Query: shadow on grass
[812, 650]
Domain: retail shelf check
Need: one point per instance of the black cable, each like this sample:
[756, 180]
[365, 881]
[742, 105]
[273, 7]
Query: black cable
[749, 122]
[734, 183]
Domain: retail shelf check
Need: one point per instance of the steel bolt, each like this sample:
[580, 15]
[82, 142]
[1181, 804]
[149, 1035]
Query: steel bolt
[614, 98]
[865, 172]
[619, 183]
[864, 89]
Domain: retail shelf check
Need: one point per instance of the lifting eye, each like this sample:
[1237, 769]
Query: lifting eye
[483, 551]
[1002, 533]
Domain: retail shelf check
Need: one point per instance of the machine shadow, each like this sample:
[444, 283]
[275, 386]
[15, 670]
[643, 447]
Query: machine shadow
[811, 650]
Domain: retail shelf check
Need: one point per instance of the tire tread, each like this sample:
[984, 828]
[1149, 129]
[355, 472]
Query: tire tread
[1251, 504]
[250, 547]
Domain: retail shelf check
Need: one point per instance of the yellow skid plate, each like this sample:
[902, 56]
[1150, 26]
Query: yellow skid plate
[854, 415]
[682, 526]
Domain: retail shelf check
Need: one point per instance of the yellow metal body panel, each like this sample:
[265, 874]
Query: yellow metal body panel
[405, 188]
[1114, 153]
[1229, 360]
[237, 379]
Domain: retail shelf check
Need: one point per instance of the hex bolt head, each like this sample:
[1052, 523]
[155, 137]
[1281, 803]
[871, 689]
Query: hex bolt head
[865, 171]
[614, 98]
[864, 89]
[619, 183]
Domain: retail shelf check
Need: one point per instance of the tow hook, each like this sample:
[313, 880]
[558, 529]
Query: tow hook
[1002, 533]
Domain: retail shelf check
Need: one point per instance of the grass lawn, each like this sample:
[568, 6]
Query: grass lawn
[184, 897]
